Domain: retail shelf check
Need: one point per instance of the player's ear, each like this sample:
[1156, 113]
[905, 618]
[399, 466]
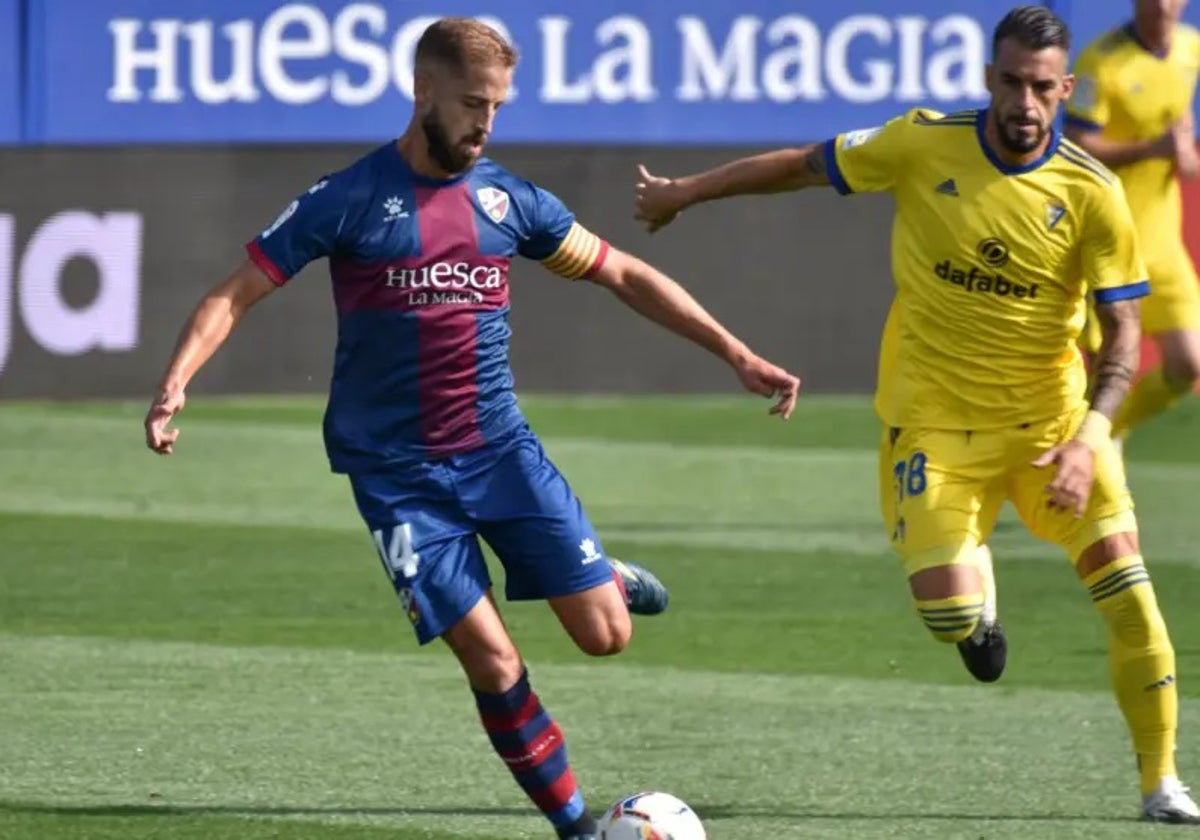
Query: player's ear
[1068, 86]
[989, 76]
[424, 84]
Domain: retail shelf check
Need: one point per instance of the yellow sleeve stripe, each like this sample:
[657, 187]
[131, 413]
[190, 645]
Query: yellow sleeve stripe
[955, 118]
[579, 254]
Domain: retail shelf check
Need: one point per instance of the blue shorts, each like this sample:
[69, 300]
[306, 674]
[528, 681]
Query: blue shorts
[426, 520]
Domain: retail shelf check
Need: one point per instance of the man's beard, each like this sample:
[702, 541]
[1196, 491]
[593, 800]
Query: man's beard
[445, 152]
[1020, 143]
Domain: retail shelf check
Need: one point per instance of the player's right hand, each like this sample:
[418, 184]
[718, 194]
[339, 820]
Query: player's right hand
[163, 409]
[765, 379]
[658, 200]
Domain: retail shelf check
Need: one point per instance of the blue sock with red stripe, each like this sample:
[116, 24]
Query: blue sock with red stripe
[531, 744]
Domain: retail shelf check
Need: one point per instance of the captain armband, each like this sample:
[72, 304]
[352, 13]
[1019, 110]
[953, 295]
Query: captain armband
[579, 254]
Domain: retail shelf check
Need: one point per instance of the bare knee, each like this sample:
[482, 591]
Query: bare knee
[949, 600]
[1183, 374]
[946, 581]
[1181, 361]
[597, 620]
[604, 636]
[486, 652]
[493, 671]
[1104, 551]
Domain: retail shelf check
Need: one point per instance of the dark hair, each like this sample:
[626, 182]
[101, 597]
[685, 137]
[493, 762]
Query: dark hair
[457, 42]
[1033, 27]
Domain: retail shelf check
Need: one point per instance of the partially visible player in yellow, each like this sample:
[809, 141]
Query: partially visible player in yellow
[1002, 228]
[1132, 110]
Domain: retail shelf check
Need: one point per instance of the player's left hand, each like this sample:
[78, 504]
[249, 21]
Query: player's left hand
[166, 405]
[658, 201]
[1187, 161]
[1072, 483]
[761, 377]
[1187, 164]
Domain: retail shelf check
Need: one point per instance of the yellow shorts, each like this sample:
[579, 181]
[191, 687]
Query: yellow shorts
[941, 491]
[1173, 303]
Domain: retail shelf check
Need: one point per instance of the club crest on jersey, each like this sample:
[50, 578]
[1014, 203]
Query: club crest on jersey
[494, 202]
[1055, 210]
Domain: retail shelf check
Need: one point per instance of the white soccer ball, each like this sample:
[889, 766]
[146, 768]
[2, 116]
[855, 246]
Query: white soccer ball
[651, 816]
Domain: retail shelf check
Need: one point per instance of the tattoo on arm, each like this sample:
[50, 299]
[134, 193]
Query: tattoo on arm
[1117, 360]
[816, 167]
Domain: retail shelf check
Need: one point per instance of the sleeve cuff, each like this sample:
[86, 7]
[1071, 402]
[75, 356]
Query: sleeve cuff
[265, 263]
[1127, 292]
[831, 167]
[1081, 122]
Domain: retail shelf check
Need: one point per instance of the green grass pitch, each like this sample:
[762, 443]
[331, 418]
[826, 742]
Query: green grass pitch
[205, 646]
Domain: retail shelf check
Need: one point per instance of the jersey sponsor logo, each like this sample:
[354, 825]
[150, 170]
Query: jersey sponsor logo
[993, 251]
[445, 282]
[494, 202]
[974, 279]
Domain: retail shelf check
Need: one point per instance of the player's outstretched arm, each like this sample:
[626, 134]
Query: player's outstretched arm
[1176, 144]
[659, 200]
[205, 331]
[654, 295]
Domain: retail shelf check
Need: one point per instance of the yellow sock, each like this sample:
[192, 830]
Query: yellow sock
[951, 619]
[1142, 663]
[1152, 395]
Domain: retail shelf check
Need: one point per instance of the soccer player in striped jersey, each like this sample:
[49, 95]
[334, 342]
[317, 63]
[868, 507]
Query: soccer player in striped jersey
[422, 415]
[1132, 110]
[1002, 228]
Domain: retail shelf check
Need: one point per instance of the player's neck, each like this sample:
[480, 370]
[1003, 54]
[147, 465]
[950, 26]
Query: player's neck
[1156, 39]
[991, 136]
[413, 146]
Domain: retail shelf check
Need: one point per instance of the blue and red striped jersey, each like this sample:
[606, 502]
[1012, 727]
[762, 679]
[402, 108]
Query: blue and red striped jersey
[420, 281]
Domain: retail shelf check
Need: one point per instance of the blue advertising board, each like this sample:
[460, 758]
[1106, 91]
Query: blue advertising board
[605, 71]
[600, 72]
[11, 88]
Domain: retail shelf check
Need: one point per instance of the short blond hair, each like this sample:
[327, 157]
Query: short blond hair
[461, 42]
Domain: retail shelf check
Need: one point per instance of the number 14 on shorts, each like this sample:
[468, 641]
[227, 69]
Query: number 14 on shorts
[396, 551]
[910, 476]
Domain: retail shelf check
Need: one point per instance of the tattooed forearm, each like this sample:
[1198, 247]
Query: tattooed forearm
[783, 170]
[815, 166]
[1117, 361]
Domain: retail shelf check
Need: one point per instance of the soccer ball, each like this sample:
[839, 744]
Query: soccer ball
[650, 816]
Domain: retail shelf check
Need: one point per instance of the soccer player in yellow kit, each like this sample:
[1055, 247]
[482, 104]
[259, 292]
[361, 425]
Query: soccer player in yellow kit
[1132, 110]
[1002, 228]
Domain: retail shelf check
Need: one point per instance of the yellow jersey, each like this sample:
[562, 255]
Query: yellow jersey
[1129, 93]
[991, 265]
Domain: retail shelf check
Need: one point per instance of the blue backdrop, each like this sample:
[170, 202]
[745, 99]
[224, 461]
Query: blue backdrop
[602, 72]
[10, 72]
